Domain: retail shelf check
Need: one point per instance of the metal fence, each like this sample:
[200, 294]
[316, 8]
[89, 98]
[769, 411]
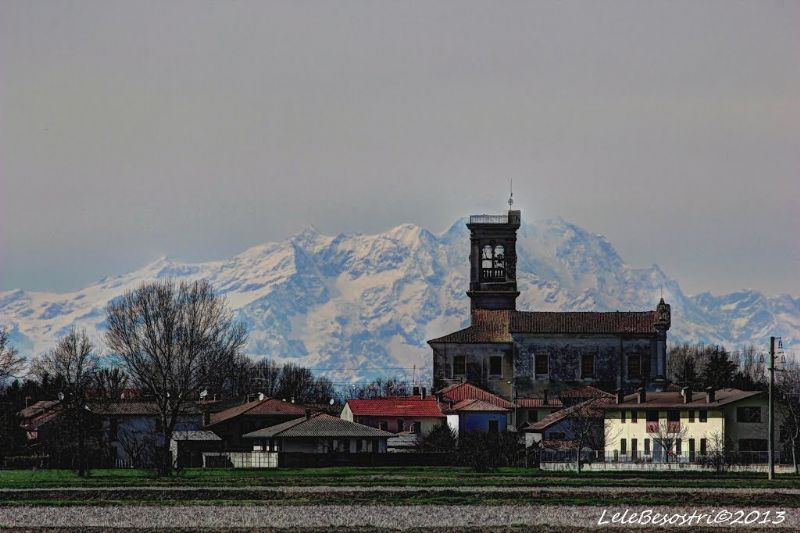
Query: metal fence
[708, 459]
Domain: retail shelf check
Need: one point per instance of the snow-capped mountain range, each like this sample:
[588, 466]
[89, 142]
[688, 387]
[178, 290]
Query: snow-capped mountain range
[360, 306]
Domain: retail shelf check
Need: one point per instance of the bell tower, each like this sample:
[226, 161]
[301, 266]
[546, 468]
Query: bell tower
[493, 260]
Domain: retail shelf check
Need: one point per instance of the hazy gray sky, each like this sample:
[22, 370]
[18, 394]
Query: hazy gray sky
[195, 129]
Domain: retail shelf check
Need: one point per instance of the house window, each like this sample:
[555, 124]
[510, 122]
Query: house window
[496, 366]
[587, 366]
[533, 416]
[749, 415]
[459, 365]
[542, 363]
[634, 448]
[634, 366]
[416, 427]
[691, 449]
[622, 416]
[703, 448]
[691, 415]
[383, 425]
[634, 416]
[494, 426]
[359, 445]
[673, 415]
[703, 415]
[400, 425]
[623, 446]
[652, 415]
[647, 446]
[678, 445]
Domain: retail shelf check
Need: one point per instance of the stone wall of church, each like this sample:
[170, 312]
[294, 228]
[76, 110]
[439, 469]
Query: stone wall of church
[564, 355]
[476, 368]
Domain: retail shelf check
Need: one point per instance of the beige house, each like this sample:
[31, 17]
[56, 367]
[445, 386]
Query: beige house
[686, 426]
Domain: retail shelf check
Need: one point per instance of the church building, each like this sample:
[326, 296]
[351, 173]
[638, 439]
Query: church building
[516, 354]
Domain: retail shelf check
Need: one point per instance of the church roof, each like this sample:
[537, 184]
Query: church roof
[497, 327]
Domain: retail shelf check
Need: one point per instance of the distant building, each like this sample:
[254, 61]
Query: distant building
[397, 414]
[525, 353]
[477, 416]
[231, 423]
[685, 426]
[132, 429]
[319, 433]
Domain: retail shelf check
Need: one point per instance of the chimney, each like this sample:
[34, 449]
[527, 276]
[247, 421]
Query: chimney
[620, 396]
[686, 392]
[710, 395]
[424, 393]
[206, 417]
[544, 399]
[415, 391]
[308, 414]
[642, 395]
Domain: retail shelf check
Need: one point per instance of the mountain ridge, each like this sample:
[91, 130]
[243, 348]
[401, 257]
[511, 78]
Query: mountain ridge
[370, 301]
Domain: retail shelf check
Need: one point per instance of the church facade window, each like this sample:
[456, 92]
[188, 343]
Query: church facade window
[587, 366]
[459, 365]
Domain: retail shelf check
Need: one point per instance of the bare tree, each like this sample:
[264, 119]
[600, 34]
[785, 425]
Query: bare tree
[174, 340]
[717, 452]
[74, 362]
[11, 364]
[110, 383]
[378, 388]
[665, 434]
[137, 445]
[586, 427]
[266, 377]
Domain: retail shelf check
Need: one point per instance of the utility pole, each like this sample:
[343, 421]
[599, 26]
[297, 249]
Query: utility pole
[771, 416]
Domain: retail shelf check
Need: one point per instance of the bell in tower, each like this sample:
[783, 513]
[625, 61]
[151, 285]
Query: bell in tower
[493, 260]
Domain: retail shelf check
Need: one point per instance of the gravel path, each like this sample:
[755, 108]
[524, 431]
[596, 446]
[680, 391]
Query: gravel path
[313, 489]
[381, 516]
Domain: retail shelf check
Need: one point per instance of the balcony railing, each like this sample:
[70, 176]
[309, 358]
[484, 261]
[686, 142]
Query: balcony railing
[493, 274]
[488, 219]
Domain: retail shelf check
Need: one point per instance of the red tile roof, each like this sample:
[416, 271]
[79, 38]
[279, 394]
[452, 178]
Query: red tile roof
[488, 327]
[675, 399]
[591, 407]
[554, 403]
[38, 408]
[265, 407]
[468, 391]
[585, 391]
[492, 327]
[583, 322]
[136, 408]
[397, 406]
[479, 406]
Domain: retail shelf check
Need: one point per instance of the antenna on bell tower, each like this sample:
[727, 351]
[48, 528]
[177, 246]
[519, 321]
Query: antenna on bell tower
[511, 196]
